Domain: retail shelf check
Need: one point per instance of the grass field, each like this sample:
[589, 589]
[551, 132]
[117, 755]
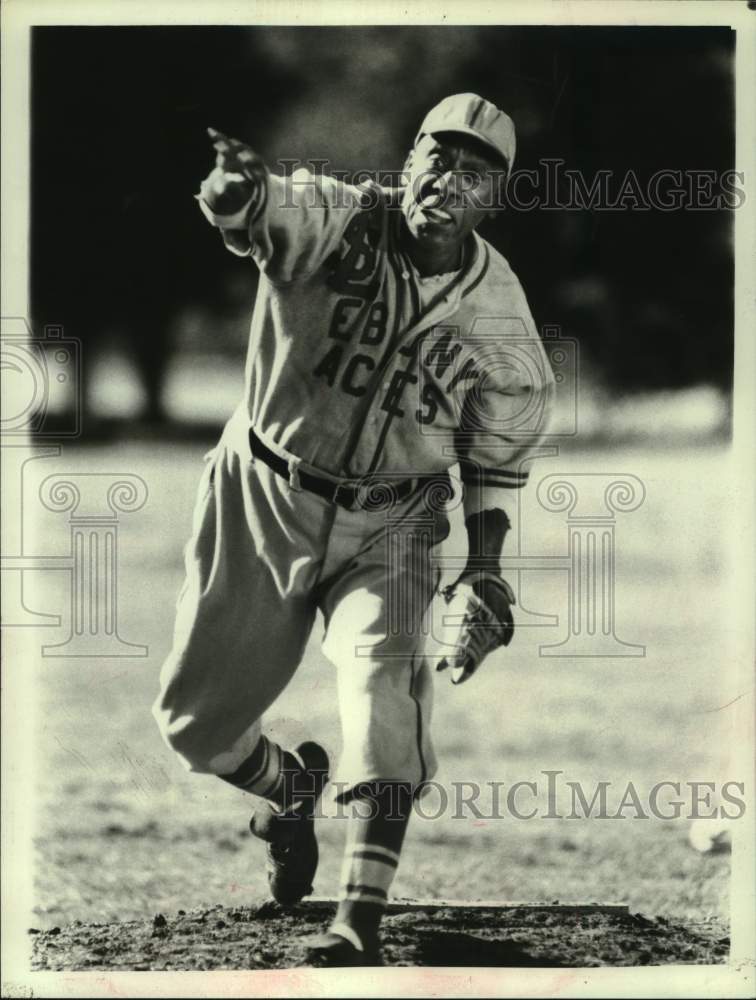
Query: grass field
[122, 832]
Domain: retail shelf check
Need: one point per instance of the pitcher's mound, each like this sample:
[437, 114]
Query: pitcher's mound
[269, 937]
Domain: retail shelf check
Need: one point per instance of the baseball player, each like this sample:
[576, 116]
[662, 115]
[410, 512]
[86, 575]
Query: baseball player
[393, 365]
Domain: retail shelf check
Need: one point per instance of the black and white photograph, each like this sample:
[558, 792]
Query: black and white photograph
[377, 505]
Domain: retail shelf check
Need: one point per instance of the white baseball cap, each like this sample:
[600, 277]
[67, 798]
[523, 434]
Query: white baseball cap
[473, 115]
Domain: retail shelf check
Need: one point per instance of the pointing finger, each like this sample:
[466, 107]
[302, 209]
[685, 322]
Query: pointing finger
[217, 136]
[221, 142]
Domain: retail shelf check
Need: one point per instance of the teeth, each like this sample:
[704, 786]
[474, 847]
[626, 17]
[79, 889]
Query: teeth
[428, 206]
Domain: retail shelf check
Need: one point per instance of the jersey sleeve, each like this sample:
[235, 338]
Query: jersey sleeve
[295, 223]
[506, 414]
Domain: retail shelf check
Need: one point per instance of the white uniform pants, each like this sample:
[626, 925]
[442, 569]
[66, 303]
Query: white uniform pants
[262, 559]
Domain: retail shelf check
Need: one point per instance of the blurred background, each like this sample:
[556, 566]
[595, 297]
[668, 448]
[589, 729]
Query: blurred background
[123, 260]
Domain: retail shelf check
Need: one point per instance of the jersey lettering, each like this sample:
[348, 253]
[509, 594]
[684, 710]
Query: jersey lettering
[343, 316]
[466, 372]
[350, 272]
[432, 397]
[395, 391]
[375, 328]
[347, 383]
[329, 365]
[441, 355]
[342, 326]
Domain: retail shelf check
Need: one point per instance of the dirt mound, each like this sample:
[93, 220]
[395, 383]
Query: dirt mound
[269, 937]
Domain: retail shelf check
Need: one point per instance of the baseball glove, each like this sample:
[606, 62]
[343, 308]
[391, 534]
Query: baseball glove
[486, 620]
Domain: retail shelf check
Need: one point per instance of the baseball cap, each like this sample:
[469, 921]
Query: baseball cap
[473, 115]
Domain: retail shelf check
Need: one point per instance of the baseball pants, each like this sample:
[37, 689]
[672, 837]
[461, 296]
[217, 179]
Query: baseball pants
[262, 559]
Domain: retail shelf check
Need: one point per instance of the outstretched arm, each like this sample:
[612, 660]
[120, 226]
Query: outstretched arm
[233, 191]
[289, 225]
[238, 173]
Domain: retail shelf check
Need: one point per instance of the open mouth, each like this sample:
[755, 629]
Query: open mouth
[429, 209]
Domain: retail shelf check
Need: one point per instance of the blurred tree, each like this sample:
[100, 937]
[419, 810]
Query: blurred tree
[119, 148]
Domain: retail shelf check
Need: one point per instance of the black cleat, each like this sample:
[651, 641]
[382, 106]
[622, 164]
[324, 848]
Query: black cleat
[332, 951]
[292, 848]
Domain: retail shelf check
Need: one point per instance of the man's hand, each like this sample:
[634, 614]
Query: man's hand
[236, 178]
[487, 620]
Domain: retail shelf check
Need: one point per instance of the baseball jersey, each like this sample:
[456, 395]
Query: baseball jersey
[357, 366]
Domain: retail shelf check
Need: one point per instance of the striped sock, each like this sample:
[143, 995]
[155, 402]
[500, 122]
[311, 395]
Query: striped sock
[269, 772]
[367, 873]
[371, 857]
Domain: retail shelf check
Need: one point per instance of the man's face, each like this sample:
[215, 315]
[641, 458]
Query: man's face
[450, 190]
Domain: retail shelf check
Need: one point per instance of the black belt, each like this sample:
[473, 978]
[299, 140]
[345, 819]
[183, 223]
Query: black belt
[370, 493]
